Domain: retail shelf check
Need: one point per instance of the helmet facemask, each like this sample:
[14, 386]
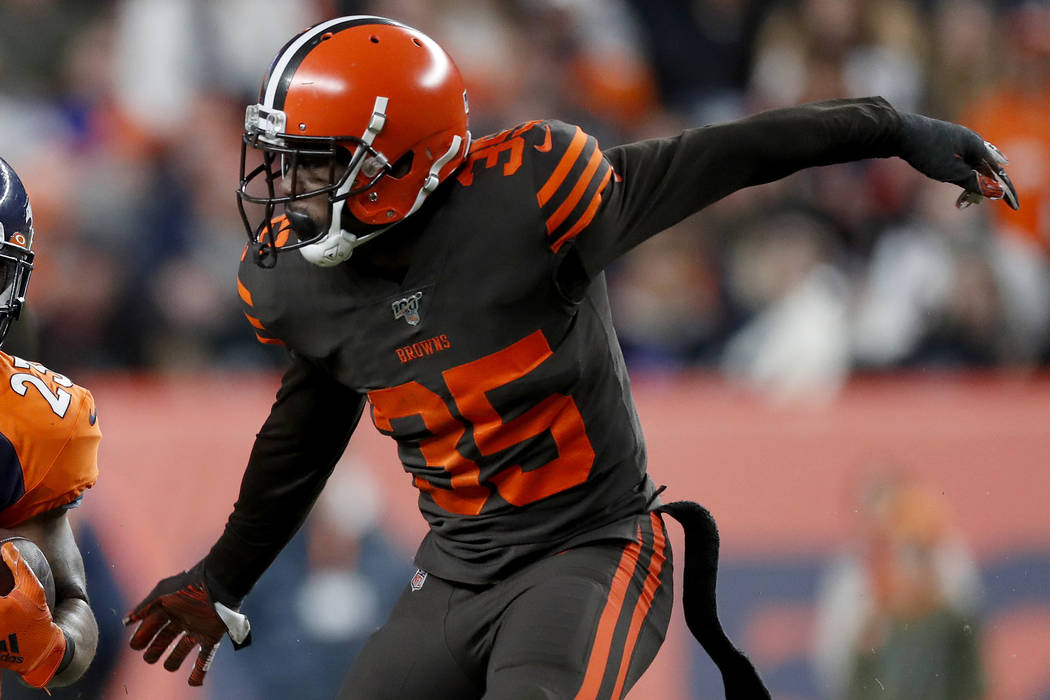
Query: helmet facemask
[16, 242]
[16, 264]
[354, 167]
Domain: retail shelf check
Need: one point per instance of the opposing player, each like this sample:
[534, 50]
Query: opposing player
[456, 288]
[49, 437]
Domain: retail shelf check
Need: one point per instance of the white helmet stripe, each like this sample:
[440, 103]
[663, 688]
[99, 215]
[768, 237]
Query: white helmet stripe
[285, 58]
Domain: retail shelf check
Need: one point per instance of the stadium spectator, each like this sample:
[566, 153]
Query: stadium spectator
[1016, 108]
[897, 612]
[90, 98]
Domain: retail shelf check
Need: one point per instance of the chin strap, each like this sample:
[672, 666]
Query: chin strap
[336, 248]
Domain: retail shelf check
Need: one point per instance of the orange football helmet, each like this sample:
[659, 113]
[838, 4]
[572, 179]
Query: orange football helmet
[381, 103]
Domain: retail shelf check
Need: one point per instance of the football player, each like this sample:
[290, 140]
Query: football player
[49, 437]
[456, 289]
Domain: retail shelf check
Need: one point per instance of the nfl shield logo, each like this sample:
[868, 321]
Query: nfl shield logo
[418, 579]
[408, 308]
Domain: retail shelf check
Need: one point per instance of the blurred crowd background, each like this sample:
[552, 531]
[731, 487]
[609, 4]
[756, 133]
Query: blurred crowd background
[123, 118]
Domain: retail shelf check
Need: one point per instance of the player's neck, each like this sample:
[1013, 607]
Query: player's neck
[388, 256]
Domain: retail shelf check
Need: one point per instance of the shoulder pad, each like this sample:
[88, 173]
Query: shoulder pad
[565, 168]
[571, 173]
[53, 435]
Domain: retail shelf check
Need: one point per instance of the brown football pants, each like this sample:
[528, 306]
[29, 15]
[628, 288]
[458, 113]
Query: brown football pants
[583, 623]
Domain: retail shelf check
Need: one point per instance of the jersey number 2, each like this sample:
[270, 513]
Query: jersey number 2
[468, 384]
[58, 399]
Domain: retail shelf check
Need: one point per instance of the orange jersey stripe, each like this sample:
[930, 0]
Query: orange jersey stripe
[558, 217]
[242, 291]
[487, 141]
[255, 322]
[645, 601]
[282, 237]
[592, 679]
[526, 127]
[587, 216]
[579, 140]
[282, 229]
[268, 341]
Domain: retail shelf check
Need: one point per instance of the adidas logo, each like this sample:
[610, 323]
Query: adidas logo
[9, 650]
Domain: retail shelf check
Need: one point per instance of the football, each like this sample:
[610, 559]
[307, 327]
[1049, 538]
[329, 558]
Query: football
[37, 562]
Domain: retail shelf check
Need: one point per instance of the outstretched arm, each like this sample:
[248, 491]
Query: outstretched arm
[294, 454]
[661, 181]
[52, 533]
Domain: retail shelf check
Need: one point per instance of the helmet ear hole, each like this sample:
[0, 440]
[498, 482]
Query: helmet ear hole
[402, 166]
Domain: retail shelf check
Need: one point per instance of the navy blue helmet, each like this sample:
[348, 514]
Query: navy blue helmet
[16, 239]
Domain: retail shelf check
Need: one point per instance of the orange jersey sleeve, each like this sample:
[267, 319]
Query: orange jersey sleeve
[49, 436]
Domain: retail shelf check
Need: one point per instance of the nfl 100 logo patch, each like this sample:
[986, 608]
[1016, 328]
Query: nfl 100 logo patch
[418, 579]
[408, 308]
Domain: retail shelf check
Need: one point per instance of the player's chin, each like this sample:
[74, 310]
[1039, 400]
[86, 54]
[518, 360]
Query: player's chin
[305, 222]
